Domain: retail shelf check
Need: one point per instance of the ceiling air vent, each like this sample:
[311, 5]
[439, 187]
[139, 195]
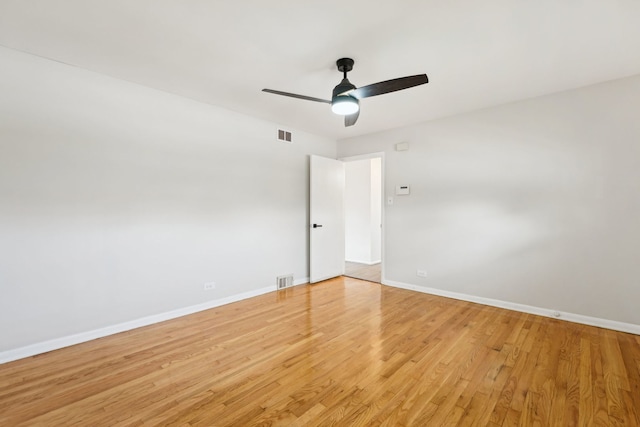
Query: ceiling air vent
[284, 136]
[284, 281]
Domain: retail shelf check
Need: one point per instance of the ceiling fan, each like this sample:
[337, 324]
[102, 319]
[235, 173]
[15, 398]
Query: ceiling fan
[345, 97]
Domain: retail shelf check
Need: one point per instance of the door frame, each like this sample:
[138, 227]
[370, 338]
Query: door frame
[377, 155]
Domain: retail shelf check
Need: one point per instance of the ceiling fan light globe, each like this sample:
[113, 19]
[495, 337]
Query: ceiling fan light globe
[344, 105]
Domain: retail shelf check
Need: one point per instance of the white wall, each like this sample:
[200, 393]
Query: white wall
[534, 203]
[118, 201]
[363, 211]
[357, 198]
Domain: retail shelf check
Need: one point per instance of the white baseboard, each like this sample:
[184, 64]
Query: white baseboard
[58, 343]
[570, 317]
[363, 262]
[302, 281]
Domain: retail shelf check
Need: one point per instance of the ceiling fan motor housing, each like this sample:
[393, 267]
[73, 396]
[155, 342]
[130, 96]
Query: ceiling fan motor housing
[344, 104]
[344, 86]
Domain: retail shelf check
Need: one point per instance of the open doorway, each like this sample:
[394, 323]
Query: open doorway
[363, 218]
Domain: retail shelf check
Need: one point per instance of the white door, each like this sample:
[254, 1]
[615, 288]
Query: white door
[326, 232]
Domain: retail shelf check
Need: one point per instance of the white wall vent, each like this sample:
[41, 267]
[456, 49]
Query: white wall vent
[284, 136]
[284, 281]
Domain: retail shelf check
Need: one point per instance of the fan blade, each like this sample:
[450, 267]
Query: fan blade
[389, 86]
[351, 119]
[293, 95]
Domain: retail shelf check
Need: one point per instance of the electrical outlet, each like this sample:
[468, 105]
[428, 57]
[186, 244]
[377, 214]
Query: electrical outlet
[421, 273]
[209, 285]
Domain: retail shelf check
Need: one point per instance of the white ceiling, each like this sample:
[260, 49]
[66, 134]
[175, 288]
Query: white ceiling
[476, 54]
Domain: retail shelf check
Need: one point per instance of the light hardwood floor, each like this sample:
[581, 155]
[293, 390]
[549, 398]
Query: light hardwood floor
[357, 270]
[343, 352]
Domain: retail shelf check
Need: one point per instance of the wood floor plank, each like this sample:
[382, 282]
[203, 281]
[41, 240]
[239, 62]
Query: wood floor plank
[341, 352]
[600, 405]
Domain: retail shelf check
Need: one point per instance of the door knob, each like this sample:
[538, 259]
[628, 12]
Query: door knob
[317, 225]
